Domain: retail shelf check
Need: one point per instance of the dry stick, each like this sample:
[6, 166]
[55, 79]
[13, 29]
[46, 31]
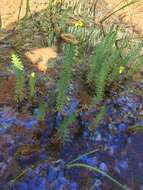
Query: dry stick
[111, 14]
[19, 176]
[24, 171]
[124, 6]
[94, 9]
[117, 5]
[91, 168]
[81, 156]
[19, 12]
[0, 23]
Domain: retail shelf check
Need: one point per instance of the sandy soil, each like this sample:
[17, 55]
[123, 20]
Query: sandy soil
[9, 9]
[132, 15]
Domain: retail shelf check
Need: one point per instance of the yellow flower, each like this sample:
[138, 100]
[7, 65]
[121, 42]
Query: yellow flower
[121, 69]
[33, 74]
[79, 23]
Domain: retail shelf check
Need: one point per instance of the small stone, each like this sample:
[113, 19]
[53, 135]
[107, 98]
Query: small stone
[103, 167]
[121, 127]
[89, 161]
[121, 165]
[141, 113]
[98, 137]
[97, 183]
[52, 174]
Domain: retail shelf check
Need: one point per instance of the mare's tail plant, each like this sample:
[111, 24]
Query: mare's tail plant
[40, 113]
[101, 65]
[32, 84]
[20, 77]
[63, 130]
[132, 58]
[65, 76]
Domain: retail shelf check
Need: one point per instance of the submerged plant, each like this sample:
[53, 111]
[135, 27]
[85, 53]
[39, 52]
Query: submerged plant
[20, 77]
[99, 117]
[63, 130]
[40, 113]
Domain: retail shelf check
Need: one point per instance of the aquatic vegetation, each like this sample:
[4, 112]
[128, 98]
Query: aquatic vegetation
[32, 84]
[65, 76]
[64, 131]
[40, 112]
[108, 63]
[54, 125]
[101, 65]
[20, 77]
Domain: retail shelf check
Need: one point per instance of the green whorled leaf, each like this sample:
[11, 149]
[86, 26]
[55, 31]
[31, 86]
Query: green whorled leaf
[17, 63]
[18, 68]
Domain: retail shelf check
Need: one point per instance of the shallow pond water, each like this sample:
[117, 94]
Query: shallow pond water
[29, 162]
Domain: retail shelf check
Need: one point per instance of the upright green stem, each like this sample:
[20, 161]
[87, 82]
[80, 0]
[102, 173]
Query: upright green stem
[27, 8]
